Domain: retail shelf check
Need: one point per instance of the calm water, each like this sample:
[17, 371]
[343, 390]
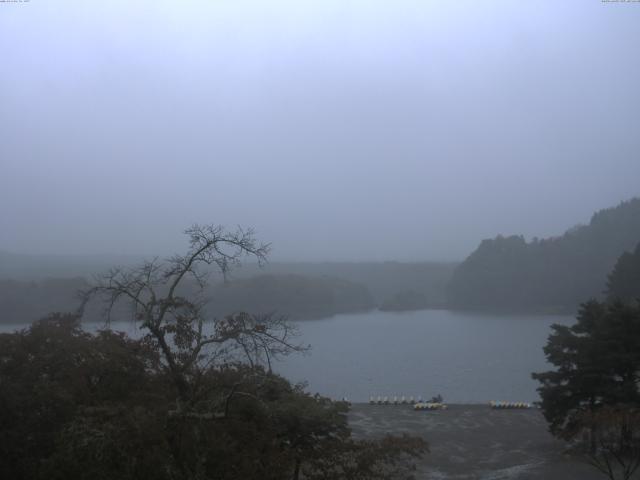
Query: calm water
[465, 357]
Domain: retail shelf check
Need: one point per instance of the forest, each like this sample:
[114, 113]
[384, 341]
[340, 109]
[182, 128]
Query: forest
[301, 291]
[546, 275]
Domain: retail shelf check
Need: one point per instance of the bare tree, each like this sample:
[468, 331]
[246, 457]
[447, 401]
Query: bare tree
[168, 298]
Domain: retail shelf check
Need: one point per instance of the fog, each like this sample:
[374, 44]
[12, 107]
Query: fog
[340, 130]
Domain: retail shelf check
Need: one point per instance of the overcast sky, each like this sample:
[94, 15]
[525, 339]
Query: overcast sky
[340, 130]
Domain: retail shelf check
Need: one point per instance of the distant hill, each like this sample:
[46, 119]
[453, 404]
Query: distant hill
[26, 301]
[553, 274]
[14, 266]
[295, 296]
[624, 281]
[384, 280]
[406, 300]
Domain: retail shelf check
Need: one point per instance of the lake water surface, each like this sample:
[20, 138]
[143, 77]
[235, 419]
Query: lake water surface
[466, 357]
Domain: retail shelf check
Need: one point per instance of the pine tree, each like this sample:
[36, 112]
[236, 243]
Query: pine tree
[624, 281]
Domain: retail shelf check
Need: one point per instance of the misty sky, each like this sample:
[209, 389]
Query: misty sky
[361, 130]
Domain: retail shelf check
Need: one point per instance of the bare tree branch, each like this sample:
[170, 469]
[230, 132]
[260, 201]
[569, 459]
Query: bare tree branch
[177, 323]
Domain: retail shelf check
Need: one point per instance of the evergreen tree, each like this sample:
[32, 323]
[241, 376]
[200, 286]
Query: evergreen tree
[624, 281]
[592, 398]
[597, 363]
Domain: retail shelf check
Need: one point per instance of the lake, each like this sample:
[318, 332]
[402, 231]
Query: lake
[466, 357]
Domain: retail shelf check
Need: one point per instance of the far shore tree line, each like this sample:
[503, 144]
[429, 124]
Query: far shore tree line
[301, 292]
[552, 275]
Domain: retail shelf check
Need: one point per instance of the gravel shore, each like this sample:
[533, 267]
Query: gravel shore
[476, 442]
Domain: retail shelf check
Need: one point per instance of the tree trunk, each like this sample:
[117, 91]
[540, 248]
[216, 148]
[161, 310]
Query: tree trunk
[296, 470]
